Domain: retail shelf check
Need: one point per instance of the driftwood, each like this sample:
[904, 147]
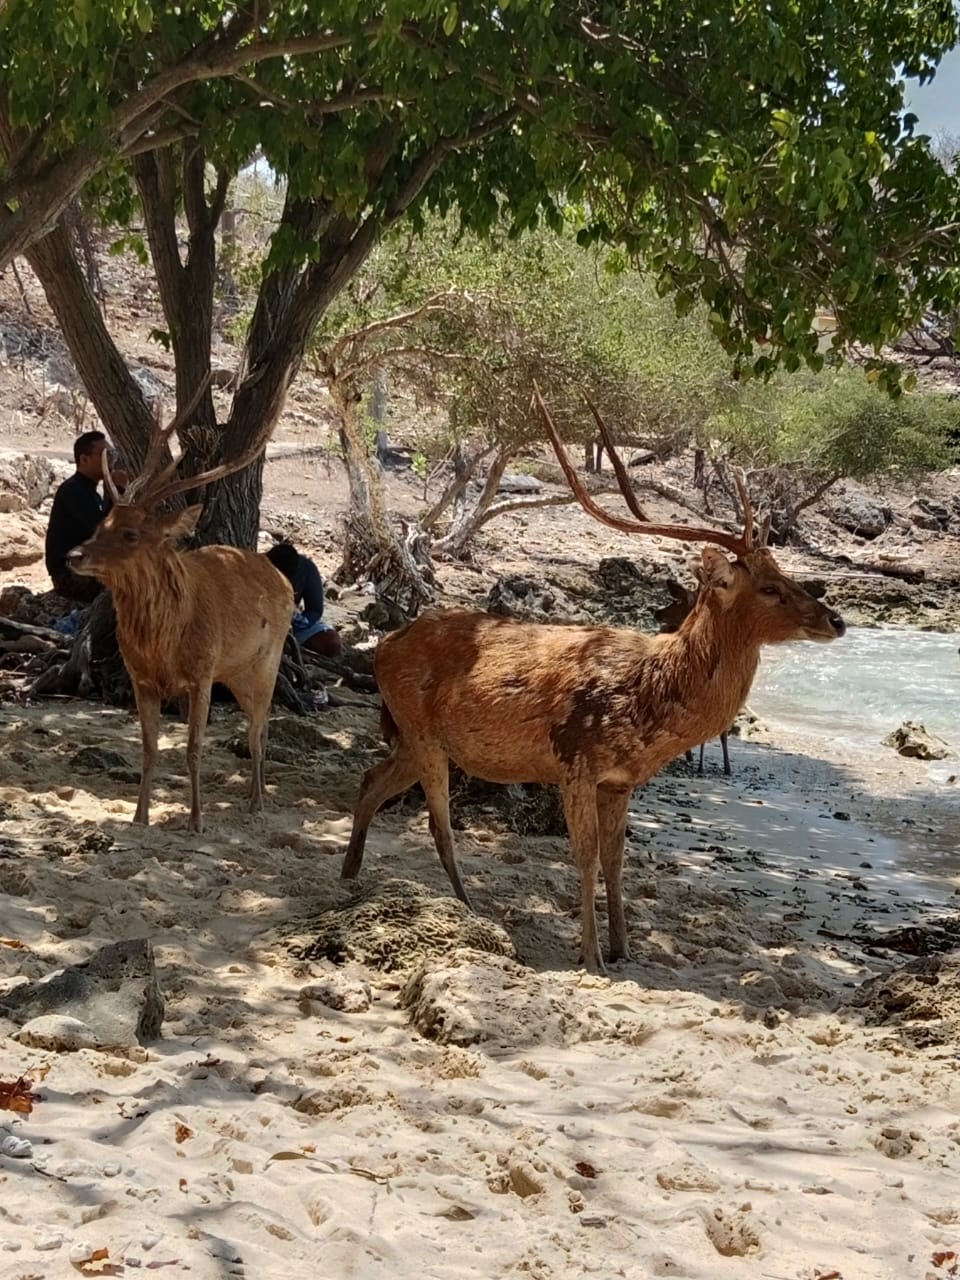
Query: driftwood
[11, 629]
[901, 572]
[355, 680]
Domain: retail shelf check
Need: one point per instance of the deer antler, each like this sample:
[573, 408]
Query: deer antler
[626, 488]
[154, 485]
[684, 533]
[152, 475]
[108, 482]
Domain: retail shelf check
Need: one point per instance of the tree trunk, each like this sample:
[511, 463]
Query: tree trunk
[116, 395]
[379, 405]
[399, 569]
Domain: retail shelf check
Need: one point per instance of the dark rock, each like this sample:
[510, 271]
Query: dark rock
[926, 514]
[618, 573]
[517, 596]
[114, 994]
[384, 615]
[520, 484]
[101, 760]
[859, 514]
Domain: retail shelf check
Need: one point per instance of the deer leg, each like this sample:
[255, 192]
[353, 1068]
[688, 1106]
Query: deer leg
[380, 784]
[148, 709]
[580, 811]
[726, 754]
[257, 742]
[702, 749]
[257, 710]
[612, 823]
[435, 780]
[199, 710]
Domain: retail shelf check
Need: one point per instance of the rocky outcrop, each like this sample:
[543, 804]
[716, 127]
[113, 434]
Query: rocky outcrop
[858, 514]
[26, 480]
[913, 740]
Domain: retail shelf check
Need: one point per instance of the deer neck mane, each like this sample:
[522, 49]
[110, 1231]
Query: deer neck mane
[151, 602]
[715, 649]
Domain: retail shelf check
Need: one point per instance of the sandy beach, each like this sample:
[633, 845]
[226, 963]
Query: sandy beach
[716, 1107]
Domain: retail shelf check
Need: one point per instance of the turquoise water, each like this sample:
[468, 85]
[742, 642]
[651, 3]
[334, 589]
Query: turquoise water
[862, 686]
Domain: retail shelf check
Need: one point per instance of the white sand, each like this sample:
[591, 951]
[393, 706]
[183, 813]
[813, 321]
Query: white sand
[726, 1117]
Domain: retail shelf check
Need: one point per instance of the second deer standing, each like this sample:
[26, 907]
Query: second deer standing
[596, 710]
[186, 619]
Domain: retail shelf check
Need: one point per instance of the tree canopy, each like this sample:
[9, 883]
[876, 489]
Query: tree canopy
[755, 154]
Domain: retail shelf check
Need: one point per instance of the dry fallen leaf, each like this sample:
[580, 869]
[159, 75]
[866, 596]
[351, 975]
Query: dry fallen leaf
[585, 1169]
[11, 942]
[183, 1132]
[97, 1264]
[17, 1095]
[182, 1184]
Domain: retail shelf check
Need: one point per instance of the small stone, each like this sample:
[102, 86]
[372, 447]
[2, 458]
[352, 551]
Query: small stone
[57, 1032]
[47, 1239]
[841, 816]
[16, 1148]
[592, 1220]
[110, 1169]
[10, 1246]
[338, 991]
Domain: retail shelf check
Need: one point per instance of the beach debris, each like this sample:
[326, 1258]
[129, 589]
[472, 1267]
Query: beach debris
[345, 992]
[913, 740]
[393, 925]
[18, 1095]
[114, 994]
[16, 1148]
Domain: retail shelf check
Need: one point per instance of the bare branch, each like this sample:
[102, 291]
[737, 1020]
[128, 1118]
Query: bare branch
[339, 102]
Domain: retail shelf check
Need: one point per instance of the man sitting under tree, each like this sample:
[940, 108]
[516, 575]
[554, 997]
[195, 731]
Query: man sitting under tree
[308, 627]
[78, 508]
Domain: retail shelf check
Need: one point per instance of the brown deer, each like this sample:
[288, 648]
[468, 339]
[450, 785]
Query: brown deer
[187, 618]
[670, 618]
[596, 710]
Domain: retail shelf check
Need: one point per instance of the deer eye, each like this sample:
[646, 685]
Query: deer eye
[131, 535]
[770, 591]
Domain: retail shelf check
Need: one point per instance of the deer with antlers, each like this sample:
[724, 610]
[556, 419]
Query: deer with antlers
[670, 618]
[595, 710]
[187, 618]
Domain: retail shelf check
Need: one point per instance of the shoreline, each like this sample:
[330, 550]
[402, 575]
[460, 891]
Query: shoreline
[713, 1108]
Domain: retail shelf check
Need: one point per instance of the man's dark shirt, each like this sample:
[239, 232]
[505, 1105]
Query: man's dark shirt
[77, 510]
[308, 588]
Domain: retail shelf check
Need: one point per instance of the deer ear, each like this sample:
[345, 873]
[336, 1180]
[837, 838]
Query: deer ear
[180, 524]
[715, 569]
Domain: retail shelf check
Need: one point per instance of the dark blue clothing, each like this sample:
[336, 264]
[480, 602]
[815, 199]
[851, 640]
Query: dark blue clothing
[77, 510]
[308, 589]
